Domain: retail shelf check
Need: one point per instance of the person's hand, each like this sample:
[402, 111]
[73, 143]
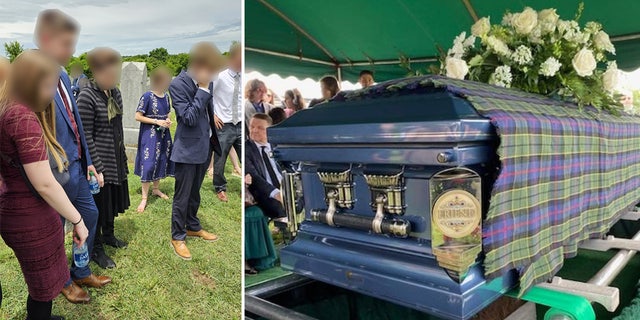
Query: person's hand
[203, 77]
[279, 197]
[80, 233]
[100, 178]
[164, 123]
[168, 120]
[218, 122]
[247, 179]
[90, 169]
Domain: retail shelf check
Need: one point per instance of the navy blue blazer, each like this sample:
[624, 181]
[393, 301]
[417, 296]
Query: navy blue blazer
[191, 143]
[64, 131]
[260, 188]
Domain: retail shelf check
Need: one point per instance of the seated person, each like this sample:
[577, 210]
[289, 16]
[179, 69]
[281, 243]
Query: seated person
[264, 171]
[259, 250]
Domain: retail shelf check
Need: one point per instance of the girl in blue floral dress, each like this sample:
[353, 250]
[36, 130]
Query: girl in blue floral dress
[154, 141]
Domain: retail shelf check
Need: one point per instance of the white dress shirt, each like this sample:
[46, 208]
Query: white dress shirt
[223, 99]
[66, 94]
[267, 149]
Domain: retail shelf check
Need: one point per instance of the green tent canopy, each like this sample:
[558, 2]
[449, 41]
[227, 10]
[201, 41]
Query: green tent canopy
[310, 39]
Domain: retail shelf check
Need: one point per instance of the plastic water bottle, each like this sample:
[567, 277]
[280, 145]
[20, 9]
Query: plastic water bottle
[94, 187]
[80, 255]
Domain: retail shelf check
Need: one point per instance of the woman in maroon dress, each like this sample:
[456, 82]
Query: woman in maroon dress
[31, 225]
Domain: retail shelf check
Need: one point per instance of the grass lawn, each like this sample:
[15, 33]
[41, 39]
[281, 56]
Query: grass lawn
[150, 281]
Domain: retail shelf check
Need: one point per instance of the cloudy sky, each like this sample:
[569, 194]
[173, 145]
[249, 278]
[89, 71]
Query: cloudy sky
[130, 26]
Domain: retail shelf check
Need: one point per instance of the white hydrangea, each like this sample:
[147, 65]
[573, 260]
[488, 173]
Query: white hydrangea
[570, 31]
[501, 77]
[522, 55]
[498, 46]
[592, 27]
[507, 19]
[549, 67]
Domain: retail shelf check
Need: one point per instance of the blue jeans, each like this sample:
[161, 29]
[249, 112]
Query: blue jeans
[77, 189]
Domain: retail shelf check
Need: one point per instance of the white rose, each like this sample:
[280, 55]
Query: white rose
[481, 27]
[610, 78]
[548, 19]
[601, 41]
[525, 21]
[498, 46]
[584, 62]
[456, 68]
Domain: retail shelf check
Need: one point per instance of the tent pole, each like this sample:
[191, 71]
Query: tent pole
[472, 11]
[339, 74]
[289, 56]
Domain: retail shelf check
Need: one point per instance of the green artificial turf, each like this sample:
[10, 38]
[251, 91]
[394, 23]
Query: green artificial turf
[150, 281]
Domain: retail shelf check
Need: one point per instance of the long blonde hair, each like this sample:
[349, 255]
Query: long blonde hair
[22, 85]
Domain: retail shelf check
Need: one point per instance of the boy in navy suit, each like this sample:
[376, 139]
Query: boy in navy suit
[56, 35]
[194, 140]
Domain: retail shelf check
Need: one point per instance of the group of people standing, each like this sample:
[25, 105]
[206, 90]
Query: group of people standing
[57, 134]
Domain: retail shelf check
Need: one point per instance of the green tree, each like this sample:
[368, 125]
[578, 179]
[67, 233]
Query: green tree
[13, 49]
[160, 54]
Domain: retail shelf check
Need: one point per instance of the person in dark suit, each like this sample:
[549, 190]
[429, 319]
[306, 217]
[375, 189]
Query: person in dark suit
[264, 171]
[56, 35]
[194, 141]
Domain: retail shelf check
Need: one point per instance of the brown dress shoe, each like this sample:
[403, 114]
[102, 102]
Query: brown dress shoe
[93, 281]
[75, 294]
[222, 196]
[206, 236]
[180, 248]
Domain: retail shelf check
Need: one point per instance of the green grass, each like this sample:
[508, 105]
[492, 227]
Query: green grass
[150, 281]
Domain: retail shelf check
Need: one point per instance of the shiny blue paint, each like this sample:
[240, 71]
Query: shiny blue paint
[388, 135]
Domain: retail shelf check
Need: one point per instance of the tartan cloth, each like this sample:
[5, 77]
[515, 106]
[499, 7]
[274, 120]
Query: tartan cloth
[566, 174]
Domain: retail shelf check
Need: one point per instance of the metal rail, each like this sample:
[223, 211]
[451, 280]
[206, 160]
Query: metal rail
[270, 310]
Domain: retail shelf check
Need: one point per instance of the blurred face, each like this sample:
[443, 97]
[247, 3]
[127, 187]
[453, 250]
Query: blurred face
[235, 61]
[76, 72]
[288, 102]
[258, 130]
[259, 94]
[46, 92]
[60, 47]
[626, 100]
[162, 84]
[107, 77]
[326, 93]
[366, 80]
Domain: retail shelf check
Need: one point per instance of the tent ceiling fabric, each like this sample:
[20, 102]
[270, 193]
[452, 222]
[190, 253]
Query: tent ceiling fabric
[312, 38]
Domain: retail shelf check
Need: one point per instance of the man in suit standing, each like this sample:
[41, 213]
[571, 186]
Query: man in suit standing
[56, 35]
[264, 171]
[194, 141]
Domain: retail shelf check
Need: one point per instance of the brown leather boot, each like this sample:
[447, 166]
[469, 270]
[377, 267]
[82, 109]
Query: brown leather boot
[75, 294]
[93, 281]
[180, 248]
[206, 236]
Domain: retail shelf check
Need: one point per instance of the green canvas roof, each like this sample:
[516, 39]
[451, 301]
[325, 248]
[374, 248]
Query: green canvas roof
[310, 39]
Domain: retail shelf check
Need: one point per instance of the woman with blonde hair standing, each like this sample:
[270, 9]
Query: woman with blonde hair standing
[31, 206]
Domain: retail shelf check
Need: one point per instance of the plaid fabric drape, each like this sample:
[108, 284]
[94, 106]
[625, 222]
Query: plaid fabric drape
[566, 174]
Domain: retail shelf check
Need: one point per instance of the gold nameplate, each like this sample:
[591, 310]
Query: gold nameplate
[457, 213]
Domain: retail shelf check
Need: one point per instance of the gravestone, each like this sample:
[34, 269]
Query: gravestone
[133, 84]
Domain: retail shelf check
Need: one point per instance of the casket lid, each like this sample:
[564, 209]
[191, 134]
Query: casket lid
[386, 113]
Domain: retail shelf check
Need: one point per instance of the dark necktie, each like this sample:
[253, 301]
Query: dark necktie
[272, 173]
[74, 125]
[212, 121]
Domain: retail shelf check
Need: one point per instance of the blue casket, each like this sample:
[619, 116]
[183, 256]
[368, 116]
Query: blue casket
[406, 198]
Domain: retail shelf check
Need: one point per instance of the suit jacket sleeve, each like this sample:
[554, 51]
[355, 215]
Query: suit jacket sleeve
[189, 108]
[259, 185]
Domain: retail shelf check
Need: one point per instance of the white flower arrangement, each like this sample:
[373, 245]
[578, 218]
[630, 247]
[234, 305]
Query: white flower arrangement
[538, 52]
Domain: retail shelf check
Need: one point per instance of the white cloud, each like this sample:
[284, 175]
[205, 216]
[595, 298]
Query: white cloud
[131, 26]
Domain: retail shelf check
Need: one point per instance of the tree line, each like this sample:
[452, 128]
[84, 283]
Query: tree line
[155, 58]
